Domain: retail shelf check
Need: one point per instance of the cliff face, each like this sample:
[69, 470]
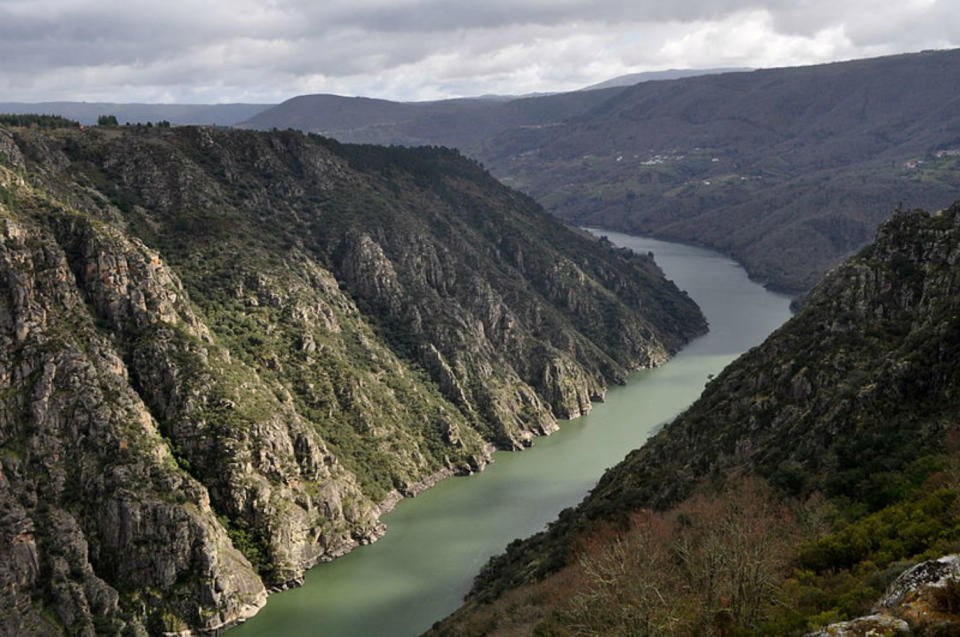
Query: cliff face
[224, 353]
[850, 399]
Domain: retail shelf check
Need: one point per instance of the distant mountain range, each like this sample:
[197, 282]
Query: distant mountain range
[463, 123]
[232, 114]
[788, 170]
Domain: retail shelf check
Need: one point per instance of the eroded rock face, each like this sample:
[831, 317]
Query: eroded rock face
[94, 500]
[224, 355]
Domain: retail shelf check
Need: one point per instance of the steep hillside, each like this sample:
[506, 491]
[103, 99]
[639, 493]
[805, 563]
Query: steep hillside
[226, 353]
[841, 414]
[787, 169]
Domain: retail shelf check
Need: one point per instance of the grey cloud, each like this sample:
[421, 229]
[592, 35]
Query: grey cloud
[222, 50]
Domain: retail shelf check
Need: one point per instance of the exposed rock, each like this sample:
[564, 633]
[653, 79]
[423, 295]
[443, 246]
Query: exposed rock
[930, 574]
[9, 151]
[913, 604]
[224, 354]
[102, 505]
[869, 626]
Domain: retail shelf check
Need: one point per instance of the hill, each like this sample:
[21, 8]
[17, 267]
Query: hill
[461, 123]
[647, 76]
[788, 170]
[811, 472]
[226, 353]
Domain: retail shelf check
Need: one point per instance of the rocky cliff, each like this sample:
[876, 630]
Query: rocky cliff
[850, 401]
[226, 353]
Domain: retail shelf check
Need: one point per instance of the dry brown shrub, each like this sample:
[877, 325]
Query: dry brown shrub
[712, 564]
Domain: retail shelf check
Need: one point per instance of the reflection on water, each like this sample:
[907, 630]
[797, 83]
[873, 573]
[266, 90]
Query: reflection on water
[436, 542]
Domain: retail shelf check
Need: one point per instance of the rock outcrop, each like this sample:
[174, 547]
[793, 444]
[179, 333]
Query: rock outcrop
[225, 354]
[867, 626]
[923, 600]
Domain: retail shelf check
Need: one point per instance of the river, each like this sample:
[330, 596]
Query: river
[436, 542]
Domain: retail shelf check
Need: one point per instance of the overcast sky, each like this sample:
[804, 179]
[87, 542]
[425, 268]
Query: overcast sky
[269, 50]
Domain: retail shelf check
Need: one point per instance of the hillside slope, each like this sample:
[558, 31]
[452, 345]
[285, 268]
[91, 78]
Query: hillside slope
[788, 170]
[851, 399]
[225, 353]
[648, 76]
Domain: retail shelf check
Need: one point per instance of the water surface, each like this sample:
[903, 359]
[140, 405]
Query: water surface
[436, 542]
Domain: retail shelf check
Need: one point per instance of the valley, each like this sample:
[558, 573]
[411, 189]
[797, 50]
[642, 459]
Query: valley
[811, 474]
[788, 170]
[228, 353]
[436, 543]
[519, 365]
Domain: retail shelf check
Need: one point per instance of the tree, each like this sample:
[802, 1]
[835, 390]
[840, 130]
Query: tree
[107, 120]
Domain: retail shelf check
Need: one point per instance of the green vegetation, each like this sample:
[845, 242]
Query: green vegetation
[256, 339]
[38, 121]
[107, 120]
[845, 412]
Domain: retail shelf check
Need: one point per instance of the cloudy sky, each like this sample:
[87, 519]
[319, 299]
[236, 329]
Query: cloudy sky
[268, 50]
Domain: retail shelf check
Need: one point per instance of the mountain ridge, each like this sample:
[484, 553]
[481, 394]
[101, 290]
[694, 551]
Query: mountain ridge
[460, 122]
[670, 74]
[787, 170]
[226, 353]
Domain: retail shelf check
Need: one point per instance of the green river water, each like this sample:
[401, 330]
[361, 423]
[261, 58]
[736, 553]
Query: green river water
[436, 542]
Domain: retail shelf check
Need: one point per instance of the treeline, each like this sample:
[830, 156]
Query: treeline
[47, 122]
[111, 120]
[428, 165]
[29, 120]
